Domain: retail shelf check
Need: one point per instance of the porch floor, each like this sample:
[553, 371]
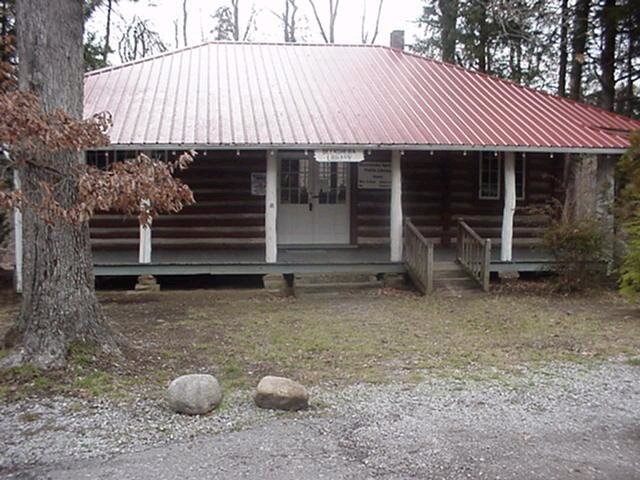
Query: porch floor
[250, 261]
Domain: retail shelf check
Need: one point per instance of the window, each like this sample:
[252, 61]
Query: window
[489, 176]
[520, 176]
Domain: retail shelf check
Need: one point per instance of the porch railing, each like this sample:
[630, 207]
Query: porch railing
[474, 254]
[418, 257]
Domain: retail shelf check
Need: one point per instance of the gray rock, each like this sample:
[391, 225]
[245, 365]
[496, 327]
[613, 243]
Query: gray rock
[194, 394]
[280, 393]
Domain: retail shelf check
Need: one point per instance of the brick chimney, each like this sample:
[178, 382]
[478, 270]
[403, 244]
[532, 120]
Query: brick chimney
[397, 39]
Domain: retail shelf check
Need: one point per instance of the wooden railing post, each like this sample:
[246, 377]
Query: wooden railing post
[474, 254]
[459, 240]
[418, 257]
[430, 267]
[486, 267]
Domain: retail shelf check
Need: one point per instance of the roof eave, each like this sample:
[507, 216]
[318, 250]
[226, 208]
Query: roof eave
[408, 147]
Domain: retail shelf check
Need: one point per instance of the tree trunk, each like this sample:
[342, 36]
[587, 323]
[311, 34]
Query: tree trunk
[628, 105]
[236, 19]
[59, 304]
[562, 71]
[483, 35]
[448, 32]
[107, 35]
[579, 42]
[608, 55]
[184, 22]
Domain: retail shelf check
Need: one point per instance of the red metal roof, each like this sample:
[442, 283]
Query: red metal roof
[250, 95]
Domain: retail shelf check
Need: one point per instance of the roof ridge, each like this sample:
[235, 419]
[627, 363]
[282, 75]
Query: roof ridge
[226, 42]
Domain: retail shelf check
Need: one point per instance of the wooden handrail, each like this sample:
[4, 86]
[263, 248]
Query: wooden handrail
[418, 257]
[474, 254]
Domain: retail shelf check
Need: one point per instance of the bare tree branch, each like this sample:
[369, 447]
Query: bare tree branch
[318, 21]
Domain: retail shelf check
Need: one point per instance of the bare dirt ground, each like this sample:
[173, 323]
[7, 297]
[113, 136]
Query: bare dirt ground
[372, 336]
[429, 385]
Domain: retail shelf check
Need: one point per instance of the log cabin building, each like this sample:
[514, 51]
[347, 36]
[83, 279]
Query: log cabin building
[333, 158]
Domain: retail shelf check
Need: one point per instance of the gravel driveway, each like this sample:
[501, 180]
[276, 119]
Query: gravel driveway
[557, 422]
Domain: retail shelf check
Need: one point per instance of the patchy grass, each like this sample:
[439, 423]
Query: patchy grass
[337, 339]
[634, 362]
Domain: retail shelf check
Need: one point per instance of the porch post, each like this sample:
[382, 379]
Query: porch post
[144, 253]
[396, 206]
[17, 238]
[271, 208]
[506, 249]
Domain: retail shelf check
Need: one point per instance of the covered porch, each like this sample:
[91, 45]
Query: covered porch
[292, 260]
[334, 211]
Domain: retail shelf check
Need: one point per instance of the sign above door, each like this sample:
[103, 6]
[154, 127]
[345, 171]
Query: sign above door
[347, 156]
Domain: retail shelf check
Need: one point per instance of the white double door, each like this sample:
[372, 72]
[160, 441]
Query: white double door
[313, 203]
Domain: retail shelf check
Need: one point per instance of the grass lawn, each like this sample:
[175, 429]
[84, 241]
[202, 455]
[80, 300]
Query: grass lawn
[370, 336]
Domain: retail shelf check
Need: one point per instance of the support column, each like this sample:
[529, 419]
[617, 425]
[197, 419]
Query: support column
[144, 253]
[396, 206]
[506, 249]
[17, 238]
[271, 208]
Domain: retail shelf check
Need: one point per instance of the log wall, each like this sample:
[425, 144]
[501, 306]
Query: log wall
[440, 187]
[225, 214]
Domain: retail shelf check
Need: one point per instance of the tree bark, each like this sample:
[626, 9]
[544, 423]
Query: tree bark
[564, 32]
[448, 33]
[59, 304]
[579, 42]
[483, 36]
[608, 55]
[107, 35]
[184, 22]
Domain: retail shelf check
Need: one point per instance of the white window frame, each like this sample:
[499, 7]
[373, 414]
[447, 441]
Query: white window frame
[480, 165]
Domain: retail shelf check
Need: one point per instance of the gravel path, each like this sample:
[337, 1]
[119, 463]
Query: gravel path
[560, 422]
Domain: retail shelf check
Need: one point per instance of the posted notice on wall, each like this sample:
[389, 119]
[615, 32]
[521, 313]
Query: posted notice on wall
[374, 176]
[258, 184]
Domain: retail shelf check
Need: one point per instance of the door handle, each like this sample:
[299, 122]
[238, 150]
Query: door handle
[311, 206]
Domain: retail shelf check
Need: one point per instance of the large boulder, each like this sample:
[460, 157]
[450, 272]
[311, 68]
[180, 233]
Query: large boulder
[280, 393]
[194, 394]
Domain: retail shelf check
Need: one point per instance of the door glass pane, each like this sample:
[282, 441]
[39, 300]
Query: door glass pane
[294, 181]
[332, 183]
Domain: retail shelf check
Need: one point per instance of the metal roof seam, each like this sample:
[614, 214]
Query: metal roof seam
[301, 94]
[469, 104]
[312, 98]
[332, 95]
[383, 97]
[289, 91]
[256, 129]
[136, 120]
[360, 108]
[514, 84]
[432, 103]
[276, 116]
[522, 124]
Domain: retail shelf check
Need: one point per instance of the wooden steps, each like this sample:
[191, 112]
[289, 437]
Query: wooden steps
[334, 282]
[450, 278]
